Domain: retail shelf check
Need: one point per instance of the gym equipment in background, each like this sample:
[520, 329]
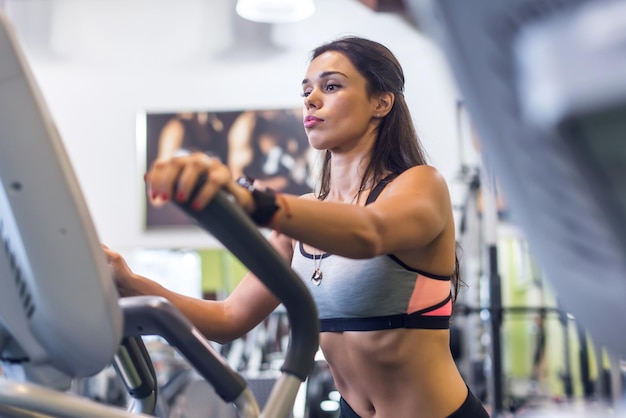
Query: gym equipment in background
[60, 317]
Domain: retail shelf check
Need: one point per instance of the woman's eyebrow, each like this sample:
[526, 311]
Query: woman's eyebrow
[325, 74]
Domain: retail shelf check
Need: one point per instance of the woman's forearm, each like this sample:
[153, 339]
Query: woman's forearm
[346, 230]
[208, 316]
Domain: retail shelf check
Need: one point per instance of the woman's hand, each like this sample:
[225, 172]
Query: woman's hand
[121, 273]
[180, 175]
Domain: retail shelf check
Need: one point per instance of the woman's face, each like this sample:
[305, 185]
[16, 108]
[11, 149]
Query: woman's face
[338, 113]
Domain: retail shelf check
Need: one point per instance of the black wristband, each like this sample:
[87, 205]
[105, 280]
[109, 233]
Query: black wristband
[247, 182]
[264, 207]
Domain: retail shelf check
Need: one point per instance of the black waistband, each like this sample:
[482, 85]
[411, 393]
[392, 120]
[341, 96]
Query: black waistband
[346, 411]
[384, 322]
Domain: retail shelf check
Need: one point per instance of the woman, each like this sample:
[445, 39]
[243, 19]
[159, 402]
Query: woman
[375, 246]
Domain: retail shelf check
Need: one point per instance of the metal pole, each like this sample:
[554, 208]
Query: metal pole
[490, 222]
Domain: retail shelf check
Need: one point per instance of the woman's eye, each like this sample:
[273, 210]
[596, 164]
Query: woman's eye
[331, 87]
[305, 93]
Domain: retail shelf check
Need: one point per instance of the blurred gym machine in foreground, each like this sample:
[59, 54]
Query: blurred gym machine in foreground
[545, 84]
[60, 315]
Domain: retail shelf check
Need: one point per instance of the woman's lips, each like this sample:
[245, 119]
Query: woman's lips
[310, 121]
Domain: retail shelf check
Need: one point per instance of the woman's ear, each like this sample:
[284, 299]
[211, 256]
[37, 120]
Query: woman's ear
[384, 103]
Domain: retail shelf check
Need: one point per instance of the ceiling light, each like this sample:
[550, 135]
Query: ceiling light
[275, 11]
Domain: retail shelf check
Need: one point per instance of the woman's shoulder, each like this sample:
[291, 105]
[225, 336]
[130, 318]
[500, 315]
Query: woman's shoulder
[420, 178]
[308, 196]
[422, 173]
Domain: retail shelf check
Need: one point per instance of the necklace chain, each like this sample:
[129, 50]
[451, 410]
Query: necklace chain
[317, 275]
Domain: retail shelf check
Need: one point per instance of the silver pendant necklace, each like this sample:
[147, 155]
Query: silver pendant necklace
[317, 276]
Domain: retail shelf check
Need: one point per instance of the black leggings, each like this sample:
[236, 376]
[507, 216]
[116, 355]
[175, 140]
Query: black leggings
[471, 408]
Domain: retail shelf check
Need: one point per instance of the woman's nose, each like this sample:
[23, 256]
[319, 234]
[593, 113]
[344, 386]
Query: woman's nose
[311, 100]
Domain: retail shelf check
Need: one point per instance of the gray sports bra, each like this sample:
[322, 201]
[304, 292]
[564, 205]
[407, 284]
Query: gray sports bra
[370, 294]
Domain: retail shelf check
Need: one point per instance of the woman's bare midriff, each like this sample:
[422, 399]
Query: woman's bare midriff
[401, 373]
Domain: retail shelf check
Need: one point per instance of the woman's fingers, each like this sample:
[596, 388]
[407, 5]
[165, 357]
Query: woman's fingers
[161, 177]
[217, 178]
[196, 168]
[177, 178]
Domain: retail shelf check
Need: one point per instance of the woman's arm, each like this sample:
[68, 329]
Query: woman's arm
[221, 321]
[411, 213]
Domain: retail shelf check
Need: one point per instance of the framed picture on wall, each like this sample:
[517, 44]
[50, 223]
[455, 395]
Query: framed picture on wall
[268, 145]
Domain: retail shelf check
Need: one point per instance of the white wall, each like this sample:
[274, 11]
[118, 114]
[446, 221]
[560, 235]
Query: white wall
[101, 63]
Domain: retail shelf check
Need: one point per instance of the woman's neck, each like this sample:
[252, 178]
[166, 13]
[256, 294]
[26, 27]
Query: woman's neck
[346, 177]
